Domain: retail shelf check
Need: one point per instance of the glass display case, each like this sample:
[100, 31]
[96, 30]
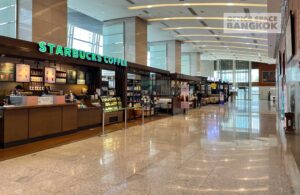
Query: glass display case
[111, 104]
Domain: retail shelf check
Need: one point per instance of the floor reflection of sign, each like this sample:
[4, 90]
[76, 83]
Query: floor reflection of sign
[50, 75]
[71, 77]
[23, 73]
[7, 72]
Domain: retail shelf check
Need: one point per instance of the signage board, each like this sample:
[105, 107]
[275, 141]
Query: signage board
[59, 50]
[23, 73]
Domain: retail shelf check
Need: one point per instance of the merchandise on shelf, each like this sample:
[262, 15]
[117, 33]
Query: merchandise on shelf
[134, 93]
[61, 77]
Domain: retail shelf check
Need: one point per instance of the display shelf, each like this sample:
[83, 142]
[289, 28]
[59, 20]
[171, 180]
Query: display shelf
[36, 79]
[134, 92]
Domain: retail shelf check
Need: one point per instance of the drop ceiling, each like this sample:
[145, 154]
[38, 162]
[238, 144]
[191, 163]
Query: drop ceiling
[218, 45]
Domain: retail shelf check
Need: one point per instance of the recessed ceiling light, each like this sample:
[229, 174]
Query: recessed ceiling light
[197, 4]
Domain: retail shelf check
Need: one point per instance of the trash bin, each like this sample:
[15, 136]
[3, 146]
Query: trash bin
[290, 122]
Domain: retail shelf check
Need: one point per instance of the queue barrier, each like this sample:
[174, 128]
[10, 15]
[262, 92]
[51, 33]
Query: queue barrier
[102, 134]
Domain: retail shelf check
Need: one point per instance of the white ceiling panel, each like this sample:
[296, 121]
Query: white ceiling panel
[106, 10]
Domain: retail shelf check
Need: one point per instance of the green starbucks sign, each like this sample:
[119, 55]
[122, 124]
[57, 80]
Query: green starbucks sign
[78, 54]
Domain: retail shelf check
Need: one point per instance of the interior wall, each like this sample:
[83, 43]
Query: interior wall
[289, 76]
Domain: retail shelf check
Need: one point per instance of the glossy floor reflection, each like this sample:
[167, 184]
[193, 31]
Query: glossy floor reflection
[230, 149]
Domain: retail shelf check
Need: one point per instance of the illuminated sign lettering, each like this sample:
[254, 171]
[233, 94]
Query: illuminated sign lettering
[78, 54]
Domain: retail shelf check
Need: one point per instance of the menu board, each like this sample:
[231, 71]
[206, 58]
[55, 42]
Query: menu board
[80, 77]
[50, 75]
[71, 76]
[23, 73]
[7, 72]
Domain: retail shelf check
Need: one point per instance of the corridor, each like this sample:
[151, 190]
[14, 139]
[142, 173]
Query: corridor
[226, 149]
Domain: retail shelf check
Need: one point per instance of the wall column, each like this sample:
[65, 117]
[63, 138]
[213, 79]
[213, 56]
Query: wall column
[43, 21]
[195, 65]
[134, 39]
[174, 56]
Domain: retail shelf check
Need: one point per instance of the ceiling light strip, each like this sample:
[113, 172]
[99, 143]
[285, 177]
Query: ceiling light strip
[202, 18]
[248, 48]
[151, 6]
[222, 36]
[262, 53]
[229, 42]
[237, 51]
[233, 54]
[211, 28]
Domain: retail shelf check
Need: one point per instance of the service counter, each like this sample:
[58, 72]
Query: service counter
[23, 124]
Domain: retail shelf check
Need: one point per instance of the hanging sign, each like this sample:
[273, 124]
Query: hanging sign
[59, 50]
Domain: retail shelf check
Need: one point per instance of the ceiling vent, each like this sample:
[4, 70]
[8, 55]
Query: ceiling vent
[247, 11]
[192, 11]
[203, 23]
[212, 32]
[131, 2]
[165, 24]
[177, 32]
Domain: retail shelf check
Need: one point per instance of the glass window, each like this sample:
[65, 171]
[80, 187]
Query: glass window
[242, 72]
[82, 45]
[83, 35]
[226, 72]
[8, 18]
[185, 64]
[113, 37]
[85, 40]
[255, 75]
[158, 56]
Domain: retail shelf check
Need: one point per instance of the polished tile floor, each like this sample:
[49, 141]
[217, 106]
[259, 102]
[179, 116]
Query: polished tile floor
[230, 149]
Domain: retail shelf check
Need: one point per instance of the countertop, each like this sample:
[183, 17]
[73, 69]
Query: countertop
[13, 107]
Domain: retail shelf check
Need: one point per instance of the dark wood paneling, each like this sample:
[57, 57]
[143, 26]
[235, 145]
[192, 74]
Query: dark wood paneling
[263, 67]
[89, 117]
[45, 121]
[121, 84]
[69, 118]
[118, 114]
[15, 125]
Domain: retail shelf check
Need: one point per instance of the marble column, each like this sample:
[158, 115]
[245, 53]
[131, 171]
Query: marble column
[43, 21]
[195, 63]
[135, 39]
[206, 68]
[174, 56]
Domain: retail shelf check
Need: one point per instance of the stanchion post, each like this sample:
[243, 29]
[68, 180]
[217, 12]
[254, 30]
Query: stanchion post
[143, 116]
[125, 118]
[103, 119]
